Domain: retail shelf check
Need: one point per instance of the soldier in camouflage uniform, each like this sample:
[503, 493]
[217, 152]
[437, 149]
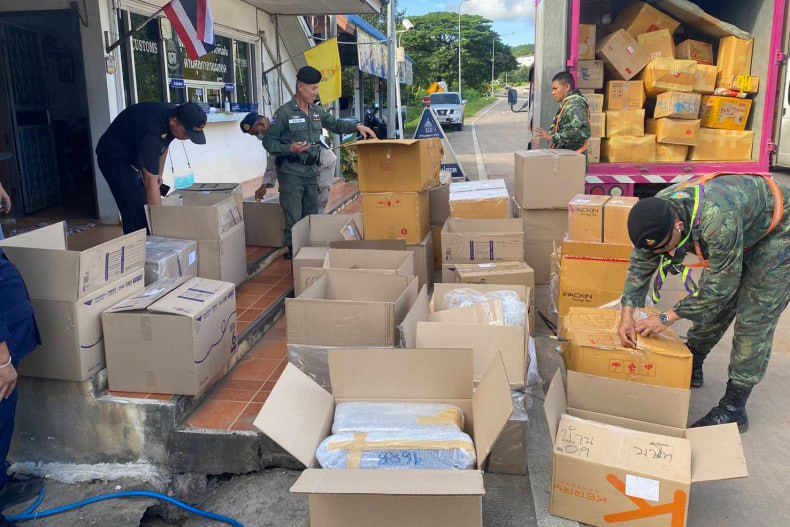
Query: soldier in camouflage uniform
[570, 129]
[737, 226]
[293, 137]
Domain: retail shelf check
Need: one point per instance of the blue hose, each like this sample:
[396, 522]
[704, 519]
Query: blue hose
[30, 514]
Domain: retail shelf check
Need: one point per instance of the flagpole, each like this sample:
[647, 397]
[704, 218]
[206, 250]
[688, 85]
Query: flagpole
[128, 34]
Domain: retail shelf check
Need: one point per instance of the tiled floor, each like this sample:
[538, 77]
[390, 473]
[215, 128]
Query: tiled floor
[259, 294]
[255, 254]
[353, 207]
[237, 399]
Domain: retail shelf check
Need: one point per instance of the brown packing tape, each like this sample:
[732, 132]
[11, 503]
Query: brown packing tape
[360, 445]
[451, 416]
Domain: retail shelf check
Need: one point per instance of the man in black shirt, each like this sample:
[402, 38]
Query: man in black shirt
[132, 153]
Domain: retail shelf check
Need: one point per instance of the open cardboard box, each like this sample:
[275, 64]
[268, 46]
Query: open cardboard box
[264, 222]
[319, 230]
[350, 308]
[398, 165]
[298, 415]
[389, 262]
[509, 342]
[622, 453]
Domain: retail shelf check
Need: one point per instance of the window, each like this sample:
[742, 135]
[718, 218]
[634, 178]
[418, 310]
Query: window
[147, 71]
[242, 61]
[445, 98]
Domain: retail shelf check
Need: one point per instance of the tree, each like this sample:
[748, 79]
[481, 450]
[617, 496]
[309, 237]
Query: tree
[433, 44]
[523, 50]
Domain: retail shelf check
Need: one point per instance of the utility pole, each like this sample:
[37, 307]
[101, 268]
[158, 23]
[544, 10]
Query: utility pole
[392, 72]
[459, 45]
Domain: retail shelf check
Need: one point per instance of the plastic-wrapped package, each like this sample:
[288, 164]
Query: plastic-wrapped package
[169, 258]
[369, 416]
[442, 448]
[514, 309]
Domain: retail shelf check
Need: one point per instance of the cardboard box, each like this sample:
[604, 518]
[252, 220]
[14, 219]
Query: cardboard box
[674, 131]
[615, 219]
[585, 218]
[725, 113]
[350, 308]
[210, 193]
[591, 274]
[590, 74]
[657, 44]
[597, 125]
[320, 230]
[423, 258]
[307, 258]
[722, 145]
[482, 199]
[547, 179]
[439, 204]
[177, 336]
[669, 75]
[72, 341]
[629, 149]
[677, 105]
[638, 18]
[625, 95]
[594, 150]
[398, 165]
[57, 268]
[396, 215]
[742, 83]
[586, 41]
[735, 57]
[543, 229]
[264, 222]
[621, 450]
[705, 78]
[487, 341]
[593, 346]
[369, 260]
[701, 52]
[504, 273]
[509, 455]
[595, 102]
[467, 241]
[419, 498]
[436, 234]
[622, 55]
[671, 153]
[215, 222]
[625, 122]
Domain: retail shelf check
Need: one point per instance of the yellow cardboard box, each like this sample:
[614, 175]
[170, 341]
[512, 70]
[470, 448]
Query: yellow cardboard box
[585, 218]
[598, 124]
[662, 75]
[674, 131]
[638, 18]
[705, 78]
[725, 113]
[735, 56]
[625, 122]
[586, 41]
[622, 55]
[396, 216]
[594, 150]
[744, 83]
[625, 95]
[722, 145]
[615, 219]
[657, 44]
[590, 74]
[666, 153]
[595, 102]
[479, 199]
[677, 105]
[701, 52]
[402, 165]
[629, 149]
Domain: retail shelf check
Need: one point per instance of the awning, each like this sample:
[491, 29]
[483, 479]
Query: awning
[317, 7]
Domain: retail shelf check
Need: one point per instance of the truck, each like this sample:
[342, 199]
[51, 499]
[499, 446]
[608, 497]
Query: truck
[557, 36]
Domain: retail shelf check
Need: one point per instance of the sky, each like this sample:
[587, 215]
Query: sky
[514, 20]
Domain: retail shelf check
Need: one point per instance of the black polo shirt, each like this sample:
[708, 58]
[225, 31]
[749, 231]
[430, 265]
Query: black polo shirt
[138, 136]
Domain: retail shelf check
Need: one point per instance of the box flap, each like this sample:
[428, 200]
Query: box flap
[593, 250]
[297, 415]
[489, 312]
[555, 405]
[383, 245]
[149, 295]
[632, 400]
[391, 482]
[210, 187]
[397, 142]
[418, 312]
[491, 408]
[716, 453]
[401, 373]
[193, 298]
[49, 237]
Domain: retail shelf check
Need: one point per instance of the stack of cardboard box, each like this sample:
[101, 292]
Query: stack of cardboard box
[695, 110]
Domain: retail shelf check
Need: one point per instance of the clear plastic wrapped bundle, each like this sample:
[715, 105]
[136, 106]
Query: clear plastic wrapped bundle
[169, 258]
[416, 449]
[514, 309]
[368, 417]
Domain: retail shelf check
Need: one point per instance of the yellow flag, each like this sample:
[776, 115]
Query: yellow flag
[326, 59]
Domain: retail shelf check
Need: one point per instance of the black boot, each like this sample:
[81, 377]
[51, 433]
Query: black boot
[731, 409]
[697, 380]
[288, 253]
[19, 490]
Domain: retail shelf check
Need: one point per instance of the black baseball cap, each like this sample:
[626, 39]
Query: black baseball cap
[193, 118]
[249, 121]
[650, 223]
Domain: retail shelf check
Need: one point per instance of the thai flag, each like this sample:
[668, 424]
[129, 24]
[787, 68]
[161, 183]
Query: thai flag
[194, 25]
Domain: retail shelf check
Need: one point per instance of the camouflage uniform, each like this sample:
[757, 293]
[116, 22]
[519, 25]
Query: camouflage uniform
[749, 275]
[298, 173]
[571, 126]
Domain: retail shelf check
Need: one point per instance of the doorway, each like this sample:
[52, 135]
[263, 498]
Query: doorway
[44, 117]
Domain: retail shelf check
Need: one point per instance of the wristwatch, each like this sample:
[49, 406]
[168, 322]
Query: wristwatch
[664, 318]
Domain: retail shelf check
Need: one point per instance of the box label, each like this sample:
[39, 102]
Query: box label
[645, 488]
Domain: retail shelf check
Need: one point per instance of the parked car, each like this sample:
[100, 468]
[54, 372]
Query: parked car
[449, 108]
